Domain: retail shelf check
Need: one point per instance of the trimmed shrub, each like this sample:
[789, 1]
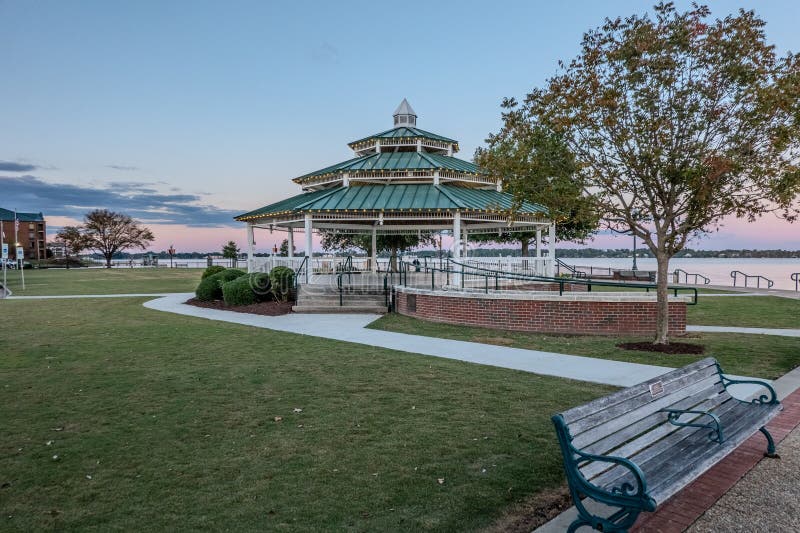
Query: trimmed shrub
[282, 280]
[211, 287]
[262, 286]
[210, 271]
[238, 292]
[246, 290]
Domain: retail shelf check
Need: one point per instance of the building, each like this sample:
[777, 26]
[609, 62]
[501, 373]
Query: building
[31, 234]
[404, 180]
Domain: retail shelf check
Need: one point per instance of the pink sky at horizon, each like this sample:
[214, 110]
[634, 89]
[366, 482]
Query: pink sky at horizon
[766, 233]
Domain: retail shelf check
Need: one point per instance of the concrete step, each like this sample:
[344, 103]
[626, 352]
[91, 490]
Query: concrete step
[345, 301]
[324, 289]
[361, 309]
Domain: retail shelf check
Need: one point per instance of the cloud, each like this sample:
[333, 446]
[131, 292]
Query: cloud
[10, 166]
[137, 199]
[122, 167]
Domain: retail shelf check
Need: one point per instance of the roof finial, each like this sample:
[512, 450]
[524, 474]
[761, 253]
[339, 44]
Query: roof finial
[404, 115]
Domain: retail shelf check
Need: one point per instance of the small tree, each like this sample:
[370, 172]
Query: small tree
[74, 241]
[677, 122]
[230, 251]
[109, 233]
[284, 250]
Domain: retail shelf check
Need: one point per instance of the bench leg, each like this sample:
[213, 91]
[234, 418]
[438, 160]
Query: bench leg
[770, 444]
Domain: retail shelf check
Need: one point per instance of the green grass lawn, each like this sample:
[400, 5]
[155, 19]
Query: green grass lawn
[750, 355]
[746, 311]
[103, 281]
[119, 417]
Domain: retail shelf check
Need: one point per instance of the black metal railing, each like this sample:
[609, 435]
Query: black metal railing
[796, 278]
[737, 274]
[299, 271]
[462, 271]
[686, 275]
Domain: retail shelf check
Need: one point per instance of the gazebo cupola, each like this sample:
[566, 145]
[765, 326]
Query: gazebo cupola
[404, 115]
[402, 180]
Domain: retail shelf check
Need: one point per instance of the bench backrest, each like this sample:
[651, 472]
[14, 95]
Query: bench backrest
[629, 421]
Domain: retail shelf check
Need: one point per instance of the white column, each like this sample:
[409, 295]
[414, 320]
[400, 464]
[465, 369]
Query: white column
[309, 246]
[251, 247]
[499, 186]
[455, 278]
[374, 249]
[291, 243]
[539, 270]
[465, 243]
[436, 180]
[551, 251]
[457, 235]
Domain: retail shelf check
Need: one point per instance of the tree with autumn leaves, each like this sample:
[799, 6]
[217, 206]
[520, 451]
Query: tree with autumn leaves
[675, 121]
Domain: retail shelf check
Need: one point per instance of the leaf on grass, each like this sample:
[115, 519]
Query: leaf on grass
[440, 480]
[297, 410]
[278, 418]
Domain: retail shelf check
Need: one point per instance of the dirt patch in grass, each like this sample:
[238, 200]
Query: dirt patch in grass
[261, 308]
[671, 348]
[501, 341]
[533, 512]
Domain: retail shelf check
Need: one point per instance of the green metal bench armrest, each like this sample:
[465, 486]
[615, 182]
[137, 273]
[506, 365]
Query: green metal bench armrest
[715, 425]
[625, 490]
[763, 399]
[626, 494]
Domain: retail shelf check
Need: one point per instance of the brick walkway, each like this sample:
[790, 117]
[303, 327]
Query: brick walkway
[683, 509]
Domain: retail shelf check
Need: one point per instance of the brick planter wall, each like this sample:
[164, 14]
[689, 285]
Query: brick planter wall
[587, 313]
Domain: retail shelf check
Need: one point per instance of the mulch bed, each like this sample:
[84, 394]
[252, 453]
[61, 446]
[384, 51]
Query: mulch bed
[671, 348]
[261, 308]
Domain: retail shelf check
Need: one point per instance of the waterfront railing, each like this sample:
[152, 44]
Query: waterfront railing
[739, 275]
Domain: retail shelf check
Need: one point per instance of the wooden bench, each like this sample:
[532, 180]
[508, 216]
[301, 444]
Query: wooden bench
[634, 449]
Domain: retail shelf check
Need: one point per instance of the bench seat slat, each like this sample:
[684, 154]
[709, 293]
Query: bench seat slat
[682, 463]
[705, 399]
[573, 415]
[671, 444]
[673, 387]
[656, 434]
[596, 433]
[706, 452]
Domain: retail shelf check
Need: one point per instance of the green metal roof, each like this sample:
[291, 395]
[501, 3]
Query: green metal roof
[7, 214]
[395, 197]
[398, 161]
[405, 132]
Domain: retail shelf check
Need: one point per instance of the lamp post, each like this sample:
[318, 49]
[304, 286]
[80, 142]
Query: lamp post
[171, 252]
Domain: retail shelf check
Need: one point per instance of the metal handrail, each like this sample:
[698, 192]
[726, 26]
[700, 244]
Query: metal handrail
[299, 271]
[678, 271]
[796, 278]
[589, 283]
[747, 277]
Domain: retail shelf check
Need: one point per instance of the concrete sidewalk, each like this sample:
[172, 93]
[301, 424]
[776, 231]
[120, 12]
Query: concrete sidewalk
[71, 296]
[352, 328]
[781, 332]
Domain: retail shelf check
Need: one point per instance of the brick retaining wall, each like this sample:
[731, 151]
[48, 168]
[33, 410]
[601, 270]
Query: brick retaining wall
[587, 313]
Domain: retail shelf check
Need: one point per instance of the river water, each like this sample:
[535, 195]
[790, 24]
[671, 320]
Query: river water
[718, 269]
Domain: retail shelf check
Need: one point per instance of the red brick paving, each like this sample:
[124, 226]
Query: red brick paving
[682, 510]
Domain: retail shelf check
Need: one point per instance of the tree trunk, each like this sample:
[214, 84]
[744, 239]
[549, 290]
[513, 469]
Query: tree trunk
[525, 246]
[108, 260]
[662, 323]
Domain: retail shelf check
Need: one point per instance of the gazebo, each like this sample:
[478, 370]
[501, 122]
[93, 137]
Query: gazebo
[402, 180]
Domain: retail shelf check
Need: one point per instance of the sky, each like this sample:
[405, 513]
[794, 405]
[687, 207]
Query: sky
[184, 114]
